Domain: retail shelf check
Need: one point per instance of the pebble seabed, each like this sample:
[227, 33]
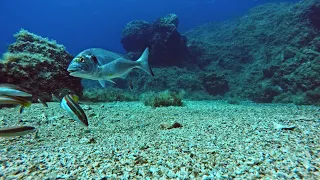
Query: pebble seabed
[127, 140]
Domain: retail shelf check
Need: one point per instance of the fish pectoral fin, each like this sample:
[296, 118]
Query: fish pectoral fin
[110, 80]
[102, 83]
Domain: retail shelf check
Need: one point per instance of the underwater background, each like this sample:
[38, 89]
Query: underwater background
[82, 24]
[224, 89]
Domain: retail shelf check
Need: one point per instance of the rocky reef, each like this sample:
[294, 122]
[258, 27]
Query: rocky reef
[272, 54]
[173, 79]
[312, 14]
[167, 45]
[39, 66]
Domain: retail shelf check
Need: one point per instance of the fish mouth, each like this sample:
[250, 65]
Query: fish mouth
[75, 72]
[72, 70]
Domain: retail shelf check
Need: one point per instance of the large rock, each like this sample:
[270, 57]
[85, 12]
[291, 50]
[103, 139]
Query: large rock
[167, 45]
[38, 65]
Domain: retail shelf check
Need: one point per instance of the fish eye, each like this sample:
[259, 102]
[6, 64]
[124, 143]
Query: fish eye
[81, 59]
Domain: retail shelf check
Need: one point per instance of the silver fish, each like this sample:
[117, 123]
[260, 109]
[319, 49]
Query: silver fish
[70, 104]
[102, 65]
[16, 131]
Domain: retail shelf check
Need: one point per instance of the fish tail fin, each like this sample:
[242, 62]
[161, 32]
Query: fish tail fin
[143, 62]
[24, 105]
[28, 104]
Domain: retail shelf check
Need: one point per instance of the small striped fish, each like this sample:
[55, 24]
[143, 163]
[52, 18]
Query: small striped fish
[4, 99]
[12, 94]
[16, 131]
[13, 90]
[15, 100]
[70, 104]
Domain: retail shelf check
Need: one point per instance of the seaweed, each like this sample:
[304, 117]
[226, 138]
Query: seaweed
[163, 99]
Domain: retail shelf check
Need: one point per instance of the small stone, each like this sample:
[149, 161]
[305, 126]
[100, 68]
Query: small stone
[282, 127]
[164, 126]
[86, 107]
[92, 140]
[153, 169]
[171, 174]
[176, 125]
[282, 175]
[84, 141]
[167, 126]
[92, 115]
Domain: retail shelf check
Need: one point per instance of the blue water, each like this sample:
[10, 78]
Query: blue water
[81, 24]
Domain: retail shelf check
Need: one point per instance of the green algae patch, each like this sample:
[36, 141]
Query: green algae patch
[163, 99]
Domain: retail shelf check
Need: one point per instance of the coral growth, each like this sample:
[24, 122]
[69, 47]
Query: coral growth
[38, 65]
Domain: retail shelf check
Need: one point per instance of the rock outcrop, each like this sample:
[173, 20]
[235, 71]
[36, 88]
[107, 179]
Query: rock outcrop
[272, 54]
[39, 66]
[167, 45]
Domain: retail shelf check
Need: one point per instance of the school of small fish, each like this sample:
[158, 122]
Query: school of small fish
[13, 95]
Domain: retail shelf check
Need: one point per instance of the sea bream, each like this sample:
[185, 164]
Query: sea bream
[102, 65]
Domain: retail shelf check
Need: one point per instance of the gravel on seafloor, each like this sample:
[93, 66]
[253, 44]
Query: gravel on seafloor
[126, 140]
